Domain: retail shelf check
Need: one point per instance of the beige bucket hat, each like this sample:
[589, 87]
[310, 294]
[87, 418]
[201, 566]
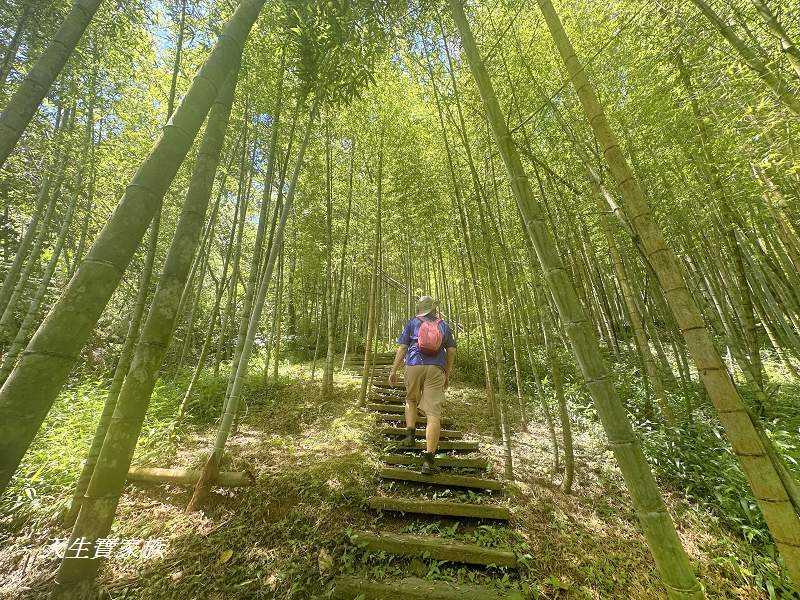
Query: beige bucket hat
[425, 305]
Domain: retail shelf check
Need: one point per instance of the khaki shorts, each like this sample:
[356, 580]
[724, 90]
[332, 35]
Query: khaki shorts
[425, 388]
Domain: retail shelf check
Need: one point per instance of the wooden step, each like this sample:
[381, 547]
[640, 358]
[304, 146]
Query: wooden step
[360, 363]
[386, 408]
[435, 507]
[445, 445]
[442, 461]
[380, 399]
[379, 391]
[389, 392]
[446, 434]
[413, 588]
[444, 479]
[388, 386]
[399, 401]
[398, 388]
[400, 416]
[388, 397]
[433, 547]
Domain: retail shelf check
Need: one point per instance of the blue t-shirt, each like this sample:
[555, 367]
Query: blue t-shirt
[409, 338]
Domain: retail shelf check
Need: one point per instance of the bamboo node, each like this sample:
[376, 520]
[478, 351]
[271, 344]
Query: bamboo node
[611, 147]
[631, 442]
[69, 357]
[694, 328]
[684, 591]
[786, 542]
[680, 286]
[657, 250]
[178, 129]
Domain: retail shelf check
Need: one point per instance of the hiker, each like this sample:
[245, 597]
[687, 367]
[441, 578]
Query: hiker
[429, 350]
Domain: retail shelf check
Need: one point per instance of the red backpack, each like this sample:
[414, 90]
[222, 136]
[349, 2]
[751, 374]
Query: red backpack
[430, 338]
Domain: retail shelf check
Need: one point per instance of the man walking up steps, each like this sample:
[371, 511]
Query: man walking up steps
[429, 350]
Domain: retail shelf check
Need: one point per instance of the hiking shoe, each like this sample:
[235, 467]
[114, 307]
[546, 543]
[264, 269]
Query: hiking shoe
[408, 440]
[428, 465]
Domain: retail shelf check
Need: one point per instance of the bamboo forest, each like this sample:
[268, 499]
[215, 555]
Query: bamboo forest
[399, 299]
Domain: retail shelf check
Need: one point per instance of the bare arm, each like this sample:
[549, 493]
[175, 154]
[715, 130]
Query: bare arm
[398, 359]
[450, 360]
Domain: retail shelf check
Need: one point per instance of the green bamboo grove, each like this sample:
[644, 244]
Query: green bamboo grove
[208, 207]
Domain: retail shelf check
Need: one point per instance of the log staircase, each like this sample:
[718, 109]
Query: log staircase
[462, 468]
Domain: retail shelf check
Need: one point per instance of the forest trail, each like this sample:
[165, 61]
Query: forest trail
[206, 207]
[401, 506]
[317, 466]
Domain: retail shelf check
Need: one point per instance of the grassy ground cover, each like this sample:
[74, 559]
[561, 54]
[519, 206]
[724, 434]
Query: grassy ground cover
[314, 464]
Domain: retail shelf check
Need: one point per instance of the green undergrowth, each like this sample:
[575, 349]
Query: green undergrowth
[706, 490]
[314, 463]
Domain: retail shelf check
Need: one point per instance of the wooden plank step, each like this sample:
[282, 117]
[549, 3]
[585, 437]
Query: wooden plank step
[435, 507]
[433, 547]
[386, 408]
[401, 416]
[359, 362]
[389, 404]
[387, 399]
[442, 461]
[390, 398]
[444, 445]
[413, 588]
[447, 434]
[388, 386]
[444, 479]
[389, 391]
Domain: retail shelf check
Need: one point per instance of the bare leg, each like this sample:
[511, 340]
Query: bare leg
[432, 432]
[411, 415]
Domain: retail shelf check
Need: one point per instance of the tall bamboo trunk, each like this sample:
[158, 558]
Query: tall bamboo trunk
[233, 396]
[99, 504]
[320, 310]
[772, 486]
[642, 343]
[340, 287]
[563, 410]
[333, 287]
[29, 95]
[7, 318]
[473, 274]
[258, 247]
[12, 275]
[33, 385]
[278, 314]
[775, 82]
[10, 53]
[243, 199]
[787, 45]
[372, 299]
[32, 313]
[658, 527]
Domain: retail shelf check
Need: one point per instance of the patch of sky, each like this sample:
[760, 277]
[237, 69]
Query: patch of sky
[164, 25]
